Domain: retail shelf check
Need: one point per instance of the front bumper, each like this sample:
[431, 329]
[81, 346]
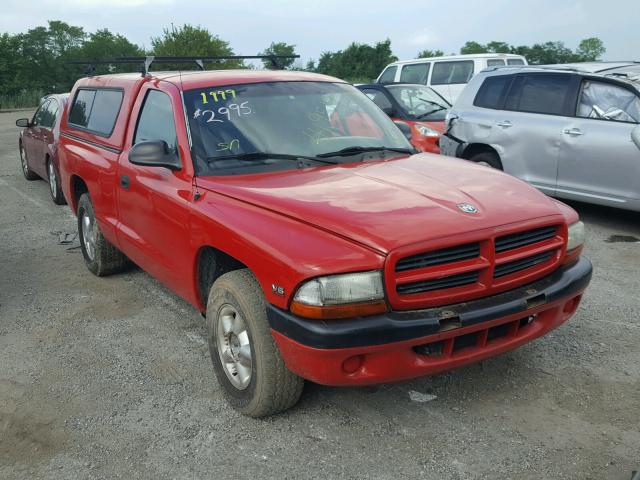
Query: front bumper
[403, 345]
[451, 146]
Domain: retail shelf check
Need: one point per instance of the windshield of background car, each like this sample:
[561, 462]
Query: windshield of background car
[420, 102]
[293, 118]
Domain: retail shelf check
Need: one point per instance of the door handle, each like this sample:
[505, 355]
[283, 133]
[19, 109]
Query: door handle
[505, 124]
[572, 131]
[124, 182]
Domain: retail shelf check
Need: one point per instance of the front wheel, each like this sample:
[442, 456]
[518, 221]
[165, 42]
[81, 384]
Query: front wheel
[100, 256]
[246, 360]
[26, 171]
[54, 184]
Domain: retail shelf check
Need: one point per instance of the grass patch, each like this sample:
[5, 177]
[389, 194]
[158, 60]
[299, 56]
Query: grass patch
[26, 99]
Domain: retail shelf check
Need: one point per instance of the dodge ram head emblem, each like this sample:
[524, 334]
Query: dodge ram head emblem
[467, 208]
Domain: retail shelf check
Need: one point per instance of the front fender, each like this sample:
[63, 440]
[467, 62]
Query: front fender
[279, 250]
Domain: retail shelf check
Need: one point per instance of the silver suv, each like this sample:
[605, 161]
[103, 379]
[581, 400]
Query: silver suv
[571, 133]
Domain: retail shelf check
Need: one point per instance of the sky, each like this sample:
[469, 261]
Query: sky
[329, 25]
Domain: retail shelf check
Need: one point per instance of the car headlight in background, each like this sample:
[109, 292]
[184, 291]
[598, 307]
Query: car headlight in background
[426, 131]
[576, 236]
[341, 296]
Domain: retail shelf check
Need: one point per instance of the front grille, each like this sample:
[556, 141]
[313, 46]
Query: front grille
[438, 283]
[516, 266]
[439, 257]
[486, 266]
[521, 239]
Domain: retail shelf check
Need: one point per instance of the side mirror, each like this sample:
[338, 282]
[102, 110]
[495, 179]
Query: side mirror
[154, 153]
[635, 135]
[405, 129]
[23, 122]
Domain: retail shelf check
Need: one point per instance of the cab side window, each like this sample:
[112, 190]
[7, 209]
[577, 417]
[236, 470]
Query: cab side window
[546, 93]
[40, 115]
[456, 72]
[156, 120]
[416, 73]
[388, 75]
[379, 98]
[49, 113]
[606, 101]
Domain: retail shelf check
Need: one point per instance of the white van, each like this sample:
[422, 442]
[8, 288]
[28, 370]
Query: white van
[446, 75]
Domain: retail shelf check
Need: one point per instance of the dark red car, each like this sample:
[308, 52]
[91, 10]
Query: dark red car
[39, 144]
[420, 107]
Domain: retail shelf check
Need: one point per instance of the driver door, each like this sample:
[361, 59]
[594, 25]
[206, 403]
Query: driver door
[598, 159]
[154, 203]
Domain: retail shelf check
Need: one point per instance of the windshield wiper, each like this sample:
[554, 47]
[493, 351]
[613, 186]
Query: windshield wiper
[267, 155]
[345, 152]
[423, 115]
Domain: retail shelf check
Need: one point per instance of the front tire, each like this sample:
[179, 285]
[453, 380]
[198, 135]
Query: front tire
[489, 159]
[54, 184]
[246, 360]
[100, 256]
[26, 171]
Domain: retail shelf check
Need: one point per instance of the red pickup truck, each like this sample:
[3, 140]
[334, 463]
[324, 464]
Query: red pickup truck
[314, 252]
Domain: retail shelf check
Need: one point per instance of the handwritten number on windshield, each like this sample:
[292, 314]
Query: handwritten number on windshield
[217, 95]
[228, 112]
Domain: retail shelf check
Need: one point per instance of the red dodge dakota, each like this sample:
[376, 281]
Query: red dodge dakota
[315, 252]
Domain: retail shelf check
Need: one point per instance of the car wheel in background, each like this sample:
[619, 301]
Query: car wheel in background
[54, 184]
[246, 360]
[489, 159]
[26, 171]
[101, 257]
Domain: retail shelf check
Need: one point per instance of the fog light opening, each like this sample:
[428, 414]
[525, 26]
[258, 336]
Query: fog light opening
[572, 305]
[353, 364]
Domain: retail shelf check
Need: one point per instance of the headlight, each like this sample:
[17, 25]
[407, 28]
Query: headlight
[426, 131]
[576, 236]
[341, 296]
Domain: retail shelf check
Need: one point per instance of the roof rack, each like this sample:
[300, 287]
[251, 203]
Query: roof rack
[146, 62]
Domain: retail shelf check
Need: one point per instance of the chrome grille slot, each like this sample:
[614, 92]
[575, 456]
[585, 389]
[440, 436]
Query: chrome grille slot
[517, 265]
[521, 239]
[439, 257]
[438, 283]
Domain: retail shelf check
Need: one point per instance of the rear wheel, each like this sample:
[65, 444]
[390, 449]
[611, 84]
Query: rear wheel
[101, 257]
[488, 159]
[54, 184]
[26, 171]
[246, 360]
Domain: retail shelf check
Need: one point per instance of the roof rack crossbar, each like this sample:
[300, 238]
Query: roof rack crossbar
[147, 61]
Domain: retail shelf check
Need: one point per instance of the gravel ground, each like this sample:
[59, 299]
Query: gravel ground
[110, 378]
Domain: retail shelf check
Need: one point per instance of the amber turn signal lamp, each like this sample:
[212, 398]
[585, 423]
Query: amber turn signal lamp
[329, 312]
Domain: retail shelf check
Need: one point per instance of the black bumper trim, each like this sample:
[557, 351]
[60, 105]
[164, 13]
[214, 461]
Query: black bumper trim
[397, 326]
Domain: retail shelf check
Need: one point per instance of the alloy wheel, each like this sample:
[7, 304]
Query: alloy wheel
[234, 347]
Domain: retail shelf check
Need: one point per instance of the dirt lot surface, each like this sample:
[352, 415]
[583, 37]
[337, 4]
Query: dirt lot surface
[111, 378]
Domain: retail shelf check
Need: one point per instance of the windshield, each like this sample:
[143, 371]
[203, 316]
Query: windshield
[420, 102]
[306, 119]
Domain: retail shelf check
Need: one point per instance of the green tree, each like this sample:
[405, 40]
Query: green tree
[358, 62]
[45, 52]
[498, 47]
[279, 48]
[473, 47]
[590, 49]
[104, 45]
[190, 41]
[430, 53]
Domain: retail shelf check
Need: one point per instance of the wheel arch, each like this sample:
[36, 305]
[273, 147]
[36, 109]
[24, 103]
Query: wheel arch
[210, 264]
[78, 187]
[476, 148]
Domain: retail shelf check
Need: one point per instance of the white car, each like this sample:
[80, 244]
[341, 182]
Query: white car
[446, 75]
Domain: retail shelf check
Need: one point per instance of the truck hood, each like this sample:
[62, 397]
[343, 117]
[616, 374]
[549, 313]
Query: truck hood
[392, 203]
